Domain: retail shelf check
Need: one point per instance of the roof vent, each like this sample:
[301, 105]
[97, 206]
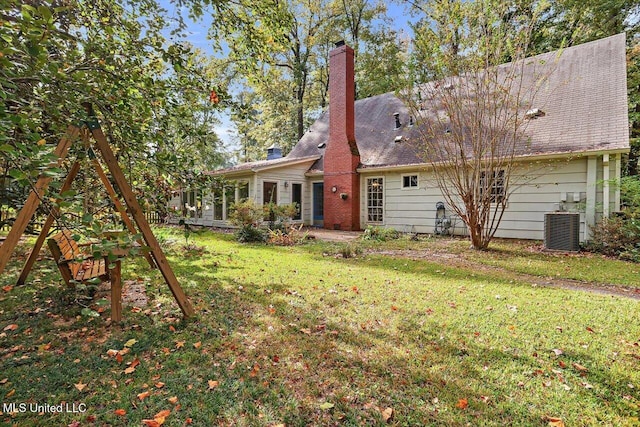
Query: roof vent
[534, 113]
[397, 117]
[322, 145]
[339, 43]
[410, 121]
[398, 139]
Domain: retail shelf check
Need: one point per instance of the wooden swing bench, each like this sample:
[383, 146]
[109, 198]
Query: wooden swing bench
[78, 267]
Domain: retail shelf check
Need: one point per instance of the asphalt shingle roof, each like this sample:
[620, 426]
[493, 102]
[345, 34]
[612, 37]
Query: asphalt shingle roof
[584, 99]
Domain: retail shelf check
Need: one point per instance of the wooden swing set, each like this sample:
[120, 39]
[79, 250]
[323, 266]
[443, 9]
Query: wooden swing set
[65, 250]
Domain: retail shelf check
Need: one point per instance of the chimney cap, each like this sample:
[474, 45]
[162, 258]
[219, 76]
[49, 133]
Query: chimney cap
[340, 43]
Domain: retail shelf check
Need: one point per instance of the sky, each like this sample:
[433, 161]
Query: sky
[197, 36]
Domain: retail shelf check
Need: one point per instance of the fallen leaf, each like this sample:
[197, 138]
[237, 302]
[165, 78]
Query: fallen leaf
[557, 351]
[171, 328]
[130, 343]
[306, 331]
[180, 344]
[326, 406]
[120, 412]
[213, 384]
[151, 423]
[7, 288]
[112, 353]
[579, 367]
[161, 416]
[159, 384]
[144, 395]
[80, 386]
[462, 404]
[586, 385]
[4, 380]
[130, 370]
[387, 414]
[11, 327]
[74, 424]
[197, 345]
[11, 393]
[590, 330]
[555, 422]
[188, 421]
[173, 400]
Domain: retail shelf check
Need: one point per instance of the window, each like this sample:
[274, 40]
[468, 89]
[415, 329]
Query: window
[296, 197]
[192, 204]
[217, 204]
[375, 200]
[269, 192]
[243, 191]
[229, 199]
[410, 181]
[495, 185]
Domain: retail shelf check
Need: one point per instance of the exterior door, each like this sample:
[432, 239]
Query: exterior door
[318, 204]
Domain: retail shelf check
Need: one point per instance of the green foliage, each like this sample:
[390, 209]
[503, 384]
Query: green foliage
[617, 236]
[246, 213]
[381, 234]
[251, 234]
[630, 193]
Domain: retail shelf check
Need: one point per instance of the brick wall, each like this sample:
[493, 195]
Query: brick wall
[341, 181]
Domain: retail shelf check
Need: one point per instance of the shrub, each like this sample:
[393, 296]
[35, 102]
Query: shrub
[380, 234]
[617, 236]
[350, 250]
[250, 234]
[287, 236]
[246, 213]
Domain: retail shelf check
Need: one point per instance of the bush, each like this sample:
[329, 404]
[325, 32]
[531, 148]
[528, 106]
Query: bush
[630, 193]
[618, 236]
[250, 234]
[380, 234]
[287, 236]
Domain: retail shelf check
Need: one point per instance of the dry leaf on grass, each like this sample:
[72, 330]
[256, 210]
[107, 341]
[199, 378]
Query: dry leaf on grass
[462, 404]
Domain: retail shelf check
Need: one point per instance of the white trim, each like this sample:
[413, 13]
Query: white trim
[590, 211]
[520, 159]
[616, 197]
[366, 200]
[410, 187]
[605, 186]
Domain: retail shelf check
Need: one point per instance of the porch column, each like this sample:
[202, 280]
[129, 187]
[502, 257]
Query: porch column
[618, 172]
[605, 186]
[590, 211]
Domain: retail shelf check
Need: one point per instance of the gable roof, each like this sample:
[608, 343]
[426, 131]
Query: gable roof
[584, 99]
[261, 165]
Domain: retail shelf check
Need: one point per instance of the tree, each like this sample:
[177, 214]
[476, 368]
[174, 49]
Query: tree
[288, 82]
[471, 116]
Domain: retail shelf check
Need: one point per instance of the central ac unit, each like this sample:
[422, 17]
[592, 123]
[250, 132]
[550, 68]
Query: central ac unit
[562, 231]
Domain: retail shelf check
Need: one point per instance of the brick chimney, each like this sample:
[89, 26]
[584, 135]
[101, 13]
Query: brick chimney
[341, 159]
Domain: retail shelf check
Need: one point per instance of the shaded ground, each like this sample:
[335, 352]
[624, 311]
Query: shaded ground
[455, 260]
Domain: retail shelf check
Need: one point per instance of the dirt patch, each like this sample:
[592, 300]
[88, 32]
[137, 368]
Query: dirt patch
[453, 260]
[134, 293]
[331, 235]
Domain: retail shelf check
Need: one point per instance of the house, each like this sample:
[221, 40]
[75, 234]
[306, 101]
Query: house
[354, 167]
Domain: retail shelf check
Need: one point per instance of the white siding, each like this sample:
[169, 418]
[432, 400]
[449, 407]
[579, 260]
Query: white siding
[536, 190]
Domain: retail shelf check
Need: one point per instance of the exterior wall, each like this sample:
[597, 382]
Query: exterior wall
[289, 175]
[539, 190]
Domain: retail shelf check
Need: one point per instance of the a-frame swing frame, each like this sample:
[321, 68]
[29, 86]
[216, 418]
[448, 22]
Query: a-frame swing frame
[40, 188]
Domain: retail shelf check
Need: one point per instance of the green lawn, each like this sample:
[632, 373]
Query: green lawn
[301, 336]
